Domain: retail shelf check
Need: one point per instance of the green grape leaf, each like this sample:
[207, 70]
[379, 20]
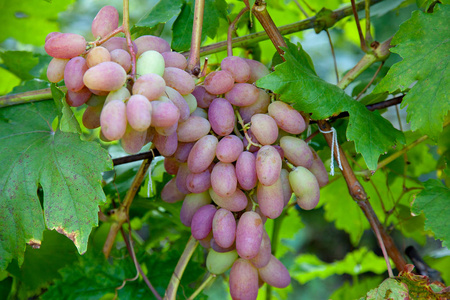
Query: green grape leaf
[8, 82]
[40, 266]
[433, 201]
[423, 43]
[30, 21]
[67, 169]
[343, 210]
[20, 63]
[68, 122]
[161, 13]
[30, 85]
[296, 82]
[308, 266]
[182, 27]
[92, 277]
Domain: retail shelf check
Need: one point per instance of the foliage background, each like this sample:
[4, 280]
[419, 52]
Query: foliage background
[330, 251]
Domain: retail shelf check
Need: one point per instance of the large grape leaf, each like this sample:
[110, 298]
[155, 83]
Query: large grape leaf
[423, 42]
[30, 21]
[67, 169]
[434, 202]
[296, 82]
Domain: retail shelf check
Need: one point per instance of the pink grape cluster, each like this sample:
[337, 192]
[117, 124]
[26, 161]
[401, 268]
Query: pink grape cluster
[231, 180]
[236, 155]
[148, 109]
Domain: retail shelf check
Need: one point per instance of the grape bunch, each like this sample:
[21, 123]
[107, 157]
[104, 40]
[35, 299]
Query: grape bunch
[239, 166]
[236, 153]
[136, 113]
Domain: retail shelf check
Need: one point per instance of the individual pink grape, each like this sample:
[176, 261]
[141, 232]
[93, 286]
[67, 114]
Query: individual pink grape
[164, 113]
[264, 254]
[287, 191]
[113, 120]
[91, 117]
[78, 98]
[270, 199]
[133, 141]
[246, 170]
[243, 280]
[286, 117]
[179, 80]
[193, 129]
[175, 59]
[52, 34]
[223, 179]
[106, 76]
[296, 151]
[171, 165]
[268, 165]
[259, 107]
[318, 169]
[237, 67]
[122, 57]
[221, 116]
[257, 70]
[264, 128]
[55, 69]
[305, 187]
[229, 148]
[166, 145]
[65, 45]
[275, 273]
[179, 102]
[202, 221]
[191, 203]
[204, 98]
[106, 20]
[218, 82]
[170, 193]
[242, 94]
[150, 42]
[139, 112]
[183, 172]
[168, 130]
[202, 154]
[206, 242]
[224, 228]
[249, 233]
[121, 94]
[236, 202]
[182, 153]
[97, 55]
[74, 72]
[152, 86]
[199, 182]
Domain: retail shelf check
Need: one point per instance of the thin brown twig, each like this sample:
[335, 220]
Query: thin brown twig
[371, 81]
[333, 54]
[368, 34]
[301, 8]
[358, 25]
[231, 29]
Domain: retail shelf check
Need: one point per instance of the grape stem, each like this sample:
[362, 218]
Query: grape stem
[171, 291]
[205, 283]
[356, 190]
[126, 30]
[244, 128]
[231, 29]
[123, 210]
[193, 66]
[358, 26]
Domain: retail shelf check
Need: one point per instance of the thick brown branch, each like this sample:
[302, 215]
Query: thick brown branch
[193, 66]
